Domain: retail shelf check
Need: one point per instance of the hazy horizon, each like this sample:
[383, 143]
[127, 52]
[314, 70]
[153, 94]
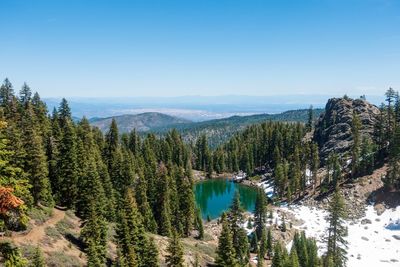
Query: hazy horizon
[195, 108]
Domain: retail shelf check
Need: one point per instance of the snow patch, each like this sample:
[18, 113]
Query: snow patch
[268, 187]
[372, 241]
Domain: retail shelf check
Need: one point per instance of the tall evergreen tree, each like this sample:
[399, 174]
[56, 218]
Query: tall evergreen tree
[144, 205]
[94, 235]
[226, 256]
[35, 161]
[163, 213]
[336, 232]
[175, 251]
[67, 166]
[239, 235]
[199, 224]
[260, 212]
[310, 119]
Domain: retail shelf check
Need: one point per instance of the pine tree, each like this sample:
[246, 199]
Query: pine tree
[199, 224]
[25, 94]
[6, 94]
[35, 161]
[131, 236]
[94, 235]
[64, 113]
[390, 98]
[13, 180]
[186, 202]
[90, 187]
[280, 180]
[269, 243]
[68, 166]
[254, 244]
[38, 258]
[144, 205]
[314, 164]
[293, 260]
[392, 179]
[109, 192]
[151, 255]
[295, 171]
[163, 213]
[279, 258]
[260, 212]
[336, 231]
[367, 163]
[310, 119]
[239, 235]
[263, 243]
[226, 256]
[113, 158]
[175, 252]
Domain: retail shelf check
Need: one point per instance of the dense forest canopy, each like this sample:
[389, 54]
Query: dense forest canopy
[50, 160]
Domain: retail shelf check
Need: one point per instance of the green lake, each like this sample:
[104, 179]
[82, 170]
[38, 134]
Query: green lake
[215, 196]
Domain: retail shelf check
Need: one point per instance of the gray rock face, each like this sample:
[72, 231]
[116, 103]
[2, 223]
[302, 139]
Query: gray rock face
[333, 128]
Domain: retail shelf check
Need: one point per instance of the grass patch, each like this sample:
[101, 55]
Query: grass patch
[64, 226]
[207, 237]
[201, 248]
[52, 232]
[58, 258]
[40, 214]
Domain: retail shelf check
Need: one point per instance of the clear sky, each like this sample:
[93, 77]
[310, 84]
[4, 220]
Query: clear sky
[204, 47]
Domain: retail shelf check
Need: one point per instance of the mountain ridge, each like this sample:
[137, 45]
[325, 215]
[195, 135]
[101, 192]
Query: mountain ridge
[142, 122]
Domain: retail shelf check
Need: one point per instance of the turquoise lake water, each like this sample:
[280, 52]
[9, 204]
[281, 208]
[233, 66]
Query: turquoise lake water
[215, 196]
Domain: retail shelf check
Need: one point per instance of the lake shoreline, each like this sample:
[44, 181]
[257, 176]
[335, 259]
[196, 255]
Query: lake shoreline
[216, 195]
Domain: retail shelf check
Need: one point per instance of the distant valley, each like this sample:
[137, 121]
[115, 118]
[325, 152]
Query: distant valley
[217, 130]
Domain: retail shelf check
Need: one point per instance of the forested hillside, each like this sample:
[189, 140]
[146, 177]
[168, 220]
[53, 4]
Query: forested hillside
[143, 122]
[219, 131]
[49, 160]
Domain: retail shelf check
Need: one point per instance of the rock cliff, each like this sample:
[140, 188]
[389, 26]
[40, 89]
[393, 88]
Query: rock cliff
[333, 128]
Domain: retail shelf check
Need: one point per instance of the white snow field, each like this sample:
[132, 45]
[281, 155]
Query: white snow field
[375, 242]
[268, 187]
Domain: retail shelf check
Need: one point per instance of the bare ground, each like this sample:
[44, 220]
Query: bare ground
[52, 245]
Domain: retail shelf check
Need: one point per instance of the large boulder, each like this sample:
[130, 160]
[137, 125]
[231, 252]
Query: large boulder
[333, 128]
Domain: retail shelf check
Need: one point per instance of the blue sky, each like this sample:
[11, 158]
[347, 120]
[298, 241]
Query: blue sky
[216, 47]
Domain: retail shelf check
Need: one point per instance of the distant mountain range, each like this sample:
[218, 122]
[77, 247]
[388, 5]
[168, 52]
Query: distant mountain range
[143, 122]
[195, 108]
[217, 130]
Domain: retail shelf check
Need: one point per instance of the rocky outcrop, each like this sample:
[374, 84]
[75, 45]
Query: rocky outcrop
[333, 128]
